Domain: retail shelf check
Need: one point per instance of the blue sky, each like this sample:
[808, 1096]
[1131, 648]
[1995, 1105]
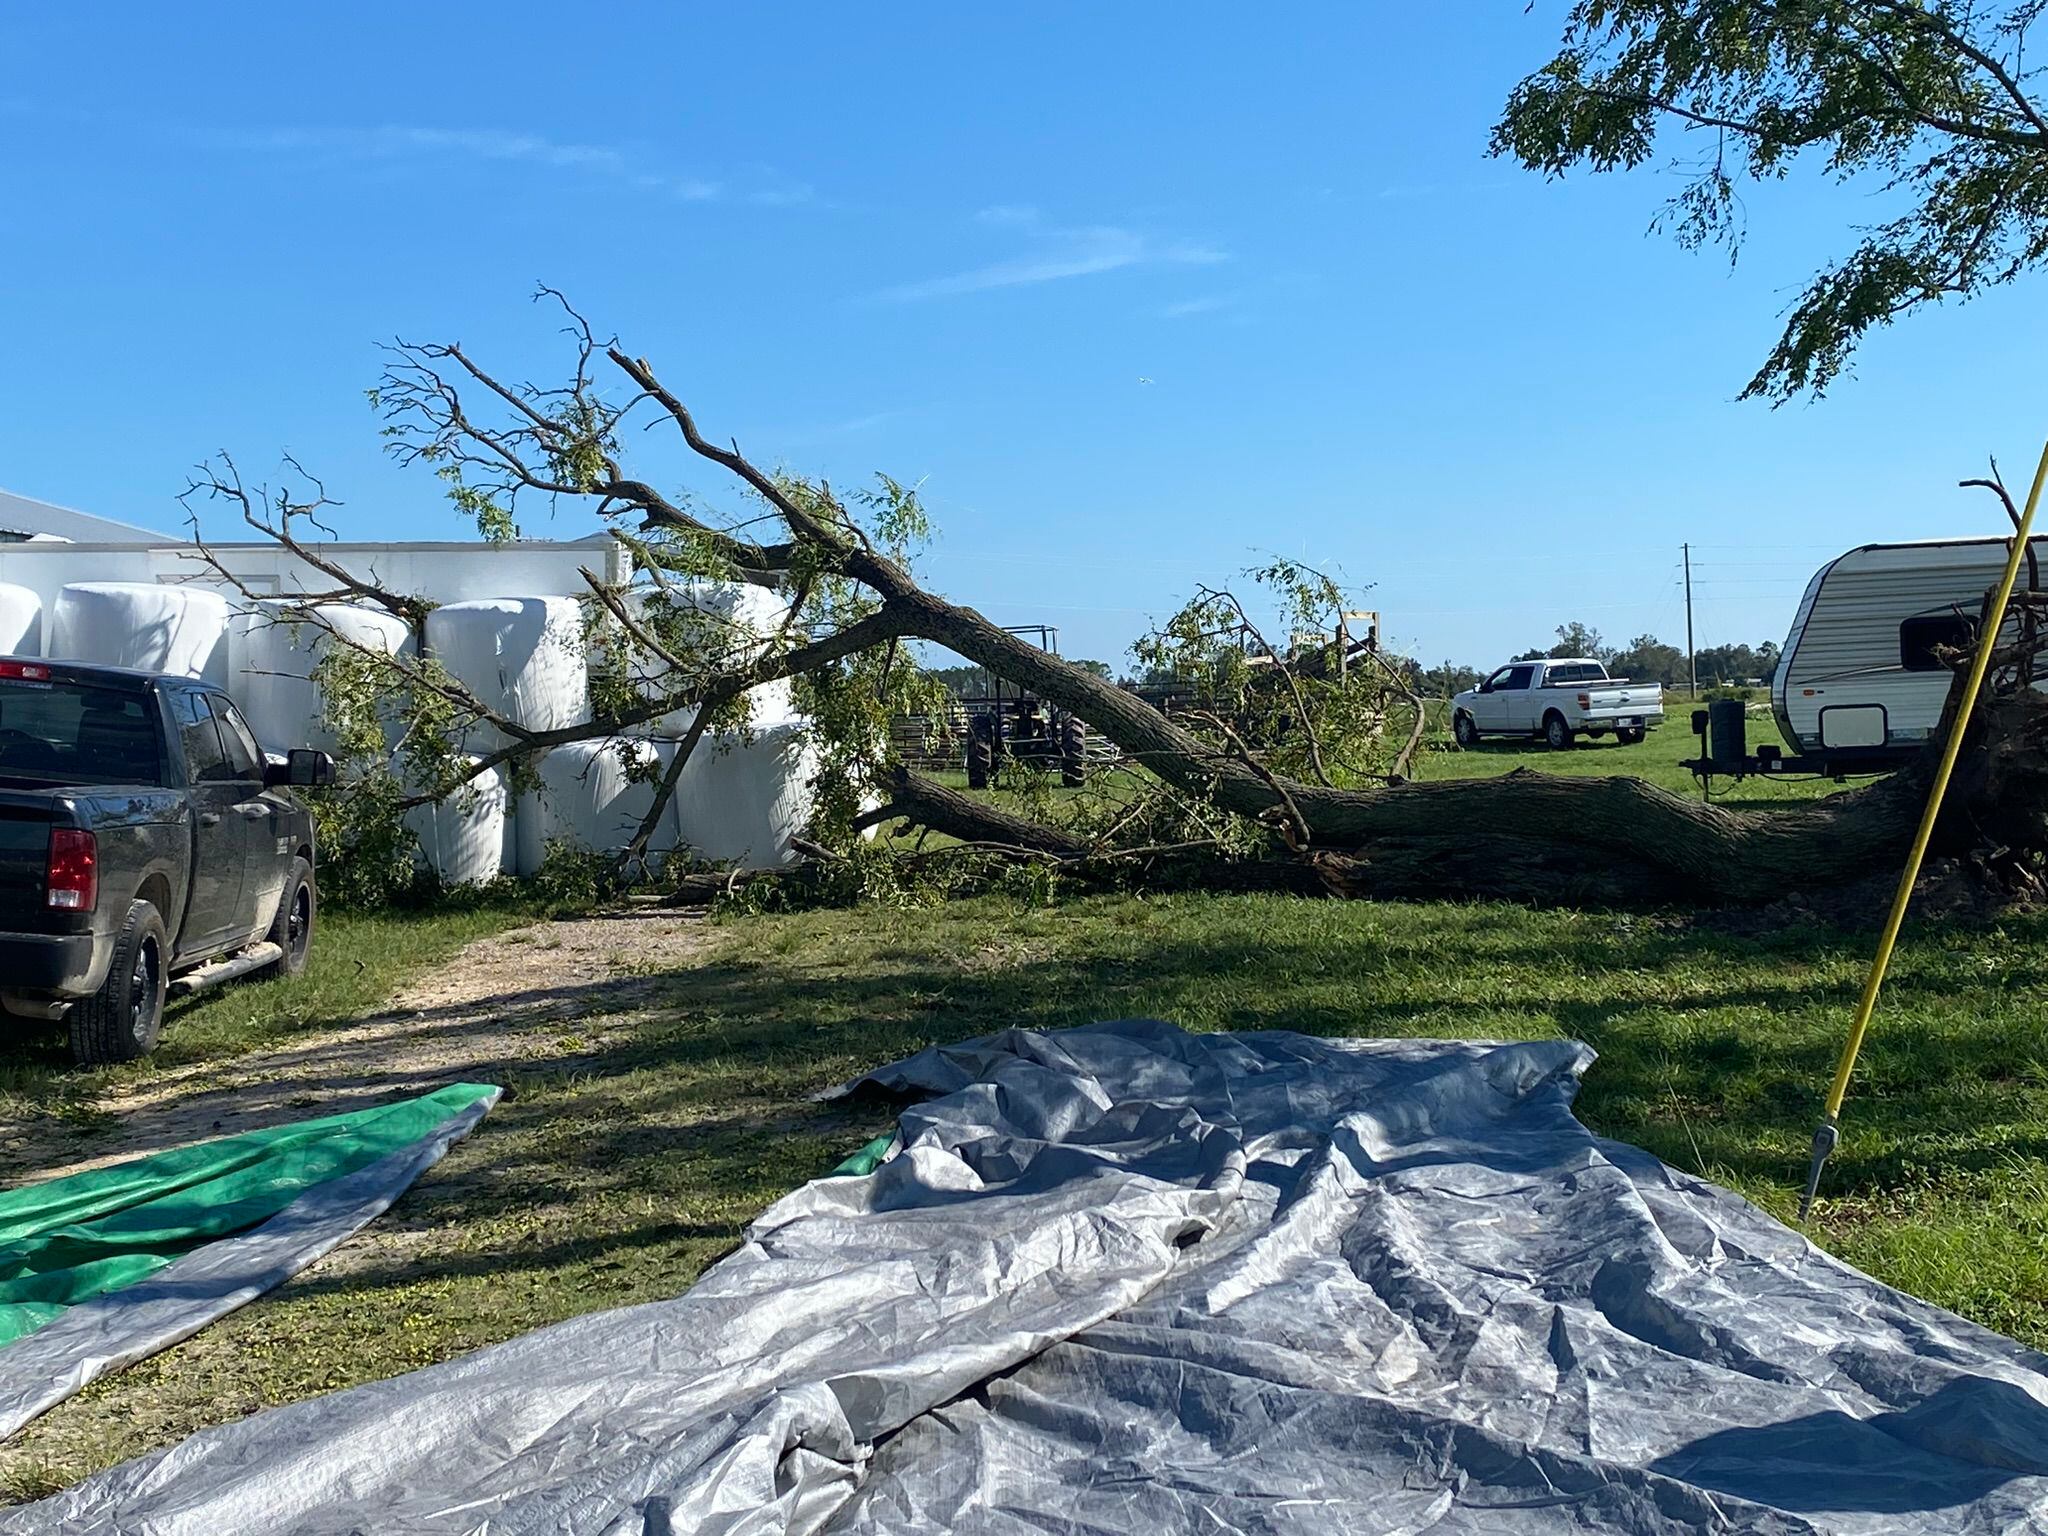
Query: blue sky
[1138, 292]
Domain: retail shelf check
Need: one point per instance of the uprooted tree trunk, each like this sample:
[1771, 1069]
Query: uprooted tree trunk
[1526, 835]
[1541, 837]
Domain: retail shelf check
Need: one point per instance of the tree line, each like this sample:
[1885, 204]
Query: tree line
[1644, 659]
[1648, 659]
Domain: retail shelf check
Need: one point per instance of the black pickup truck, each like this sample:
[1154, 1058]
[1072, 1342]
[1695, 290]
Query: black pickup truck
[146, 845]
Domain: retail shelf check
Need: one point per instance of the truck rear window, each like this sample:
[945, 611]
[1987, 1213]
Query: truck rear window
[75, 733]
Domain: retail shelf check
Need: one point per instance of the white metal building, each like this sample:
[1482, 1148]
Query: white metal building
[447, 572]
[24, 519]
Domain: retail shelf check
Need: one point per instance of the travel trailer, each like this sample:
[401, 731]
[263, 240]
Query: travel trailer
[1860, 682]
[1860, 670]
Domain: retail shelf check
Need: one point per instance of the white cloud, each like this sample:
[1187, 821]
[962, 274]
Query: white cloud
[832, 431]
[1056, 254]
[393, 141]
[790, 195]
[1208, 304]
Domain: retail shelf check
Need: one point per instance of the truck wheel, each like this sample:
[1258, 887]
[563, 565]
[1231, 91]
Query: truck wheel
[1556, 732]
[122, 1020]
[1629, 735]
[981, 753]
[292, 929]
[1073, 751]
[1464, 729]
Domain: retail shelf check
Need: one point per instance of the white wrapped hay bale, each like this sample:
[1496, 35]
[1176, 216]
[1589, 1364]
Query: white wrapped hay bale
[274, 646]
[21, 621]
[740, 801]
[468, 838]
[727, 622]
[593, 795]
[180, 630]
[521, 656]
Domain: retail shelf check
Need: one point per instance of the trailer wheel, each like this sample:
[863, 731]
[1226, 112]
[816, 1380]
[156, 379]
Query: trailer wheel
[1073, 751]
[1556, 732]
[122, 1020]
[981, 752]
[1465, 729]
[1629, 735]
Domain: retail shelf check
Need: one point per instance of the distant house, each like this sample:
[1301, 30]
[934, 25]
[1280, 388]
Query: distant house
[24, 520]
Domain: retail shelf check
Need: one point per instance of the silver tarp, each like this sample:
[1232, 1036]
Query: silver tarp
[64, 1356]
[1127, 1279]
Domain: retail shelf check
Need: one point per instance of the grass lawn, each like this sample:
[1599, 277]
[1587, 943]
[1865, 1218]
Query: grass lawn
[1655, 759]
[677, 1110]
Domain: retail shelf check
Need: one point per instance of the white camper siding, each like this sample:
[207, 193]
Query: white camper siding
[1843, 648]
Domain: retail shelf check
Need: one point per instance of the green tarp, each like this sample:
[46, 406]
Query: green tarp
[67, 1240]
[867, 1159]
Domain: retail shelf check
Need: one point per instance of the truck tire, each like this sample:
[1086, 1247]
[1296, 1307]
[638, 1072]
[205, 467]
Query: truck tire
[1073, 751]
[122, 1020]
[1556, 732]
[1465, 729]
[1629, 735]
[981, 752]
[292, 929]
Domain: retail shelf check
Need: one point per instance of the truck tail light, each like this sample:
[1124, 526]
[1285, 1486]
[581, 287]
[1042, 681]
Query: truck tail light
[1585, 701]
[74, 871]
[27, 671]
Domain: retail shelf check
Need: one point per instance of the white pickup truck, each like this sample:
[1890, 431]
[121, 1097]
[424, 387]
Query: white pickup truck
[1559, 699]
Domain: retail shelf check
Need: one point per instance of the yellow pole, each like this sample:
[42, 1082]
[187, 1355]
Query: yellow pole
[1825, 1136]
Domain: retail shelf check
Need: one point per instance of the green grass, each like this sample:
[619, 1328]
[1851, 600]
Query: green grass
[1654, 759]
[639, 1137]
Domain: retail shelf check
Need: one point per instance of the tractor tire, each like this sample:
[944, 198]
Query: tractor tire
[1556, 733]
[292, 929]
[123, 1019]
[1465, 730]
[981, 752]
[1073, 751]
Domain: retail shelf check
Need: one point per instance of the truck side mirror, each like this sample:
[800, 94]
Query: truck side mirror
[303, 768]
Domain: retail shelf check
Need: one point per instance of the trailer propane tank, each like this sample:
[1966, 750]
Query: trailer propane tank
[1727, 736]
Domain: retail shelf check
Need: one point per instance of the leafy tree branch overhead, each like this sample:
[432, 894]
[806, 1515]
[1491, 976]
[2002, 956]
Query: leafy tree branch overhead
[1933, 100]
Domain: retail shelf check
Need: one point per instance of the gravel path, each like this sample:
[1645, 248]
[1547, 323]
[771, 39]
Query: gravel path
[494, 1005]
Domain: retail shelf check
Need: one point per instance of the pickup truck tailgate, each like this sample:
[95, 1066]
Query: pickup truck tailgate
[24, 856]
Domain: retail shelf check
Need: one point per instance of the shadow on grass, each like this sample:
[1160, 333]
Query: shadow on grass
[1713, 1052]
[676, 1087]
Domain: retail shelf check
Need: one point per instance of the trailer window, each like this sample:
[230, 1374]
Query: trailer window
[1925, 636]
[75, 733]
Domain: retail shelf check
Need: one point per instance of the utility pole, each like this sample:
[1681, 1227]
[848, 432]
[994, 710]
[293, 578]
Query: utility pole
[1692, 665]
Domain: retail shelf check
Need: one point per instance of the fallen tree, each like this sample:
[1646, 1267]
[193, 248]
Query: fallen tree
[1195, 797]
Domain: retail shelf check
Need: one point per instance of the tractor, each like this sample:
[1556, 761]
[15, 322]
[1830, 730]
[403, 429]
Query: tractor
[1010, 722]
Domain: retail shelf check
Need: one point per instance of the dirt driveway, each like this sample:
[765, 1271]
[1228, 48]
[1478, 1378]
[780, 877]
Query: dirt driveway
[496, 1003]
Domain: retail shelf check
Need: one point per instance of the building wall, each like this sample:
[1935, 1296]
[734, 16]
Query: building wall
[445, 573]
